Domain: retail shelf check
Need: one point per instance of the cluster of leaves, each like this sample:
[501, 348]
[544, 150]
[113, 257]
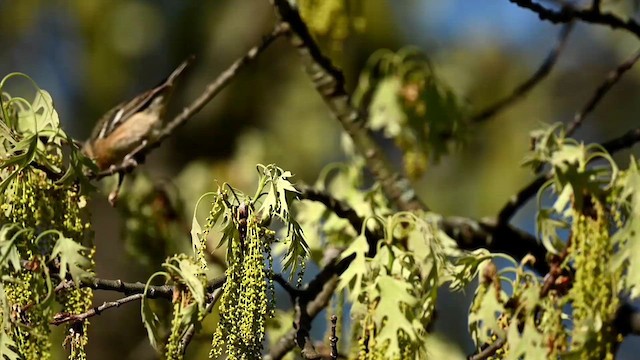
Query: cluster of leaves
[399, 260]
[244, 225]
[589, 230]
[405, 100]
[394, 292]
[531, 324]
[43, 225]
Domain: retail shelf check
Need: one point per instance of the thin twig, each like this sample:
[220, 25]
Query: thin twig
[612, 78]
[589, 15]
[329, 82]
[300, 335]
[489, 350]
[191, 331]
[313, 299]
[209, 93]
[127, 288]
[333, 340]
[540, 74]
[64, 317]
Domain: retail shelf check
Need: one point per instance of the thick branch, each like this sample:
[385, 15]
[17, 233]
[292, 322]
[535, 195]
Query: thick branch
[329, 83]
[627, 140]
[469, 234]
[540, 74]
[591, 15]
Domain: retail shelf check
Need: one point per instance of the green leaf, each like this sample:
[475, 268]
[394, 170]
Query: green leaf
[189, 315]
[151, 322]
[528, 346]
[73, 259]
[410, 104]
[353, 276]
[466, 268]
[386, 113]
[189, 273]
[484, 313]
[149, 318]
[393, 293]
[298, 248]
[9, 255]
[277, 201]
[8, 347]
[548, 228]
[627, 238]
[41, 117]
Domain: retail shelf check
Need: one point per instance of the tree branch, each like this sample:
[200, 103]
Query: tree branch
[127, 288]
[469, 234]
[308, 310]
[308, 303]
[489, 351]
[627, 140]
[591, 15]
[63, 317]
[518, 200]
[329, 83]
[209, 93]
[472, 234]
[540, 74]
[612, 78]
[344, 211]
[288, 288]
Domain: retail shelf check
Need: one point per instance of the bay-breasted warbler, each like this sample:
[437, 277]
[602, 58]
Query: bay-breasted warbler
[131, 125]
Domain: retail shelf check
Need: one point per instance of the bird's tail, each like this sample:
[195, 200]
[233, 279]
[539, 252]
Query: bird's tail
[179, 70]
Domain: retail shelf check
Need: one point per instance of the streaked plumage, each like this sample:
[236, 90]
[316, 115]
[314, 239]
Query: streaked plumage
[132, 124]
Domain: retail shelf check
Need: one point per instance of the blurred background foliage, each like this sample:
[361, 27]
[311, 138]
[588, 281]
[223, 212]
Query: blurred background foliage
[90, 55]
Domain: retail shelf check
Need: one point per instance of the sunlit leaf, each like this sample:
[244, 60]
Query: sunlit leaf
[73, 259]
[393, 293]
[353, 276]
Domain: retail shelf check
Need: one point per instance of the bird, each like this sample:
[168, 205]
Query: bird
[130, 127]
